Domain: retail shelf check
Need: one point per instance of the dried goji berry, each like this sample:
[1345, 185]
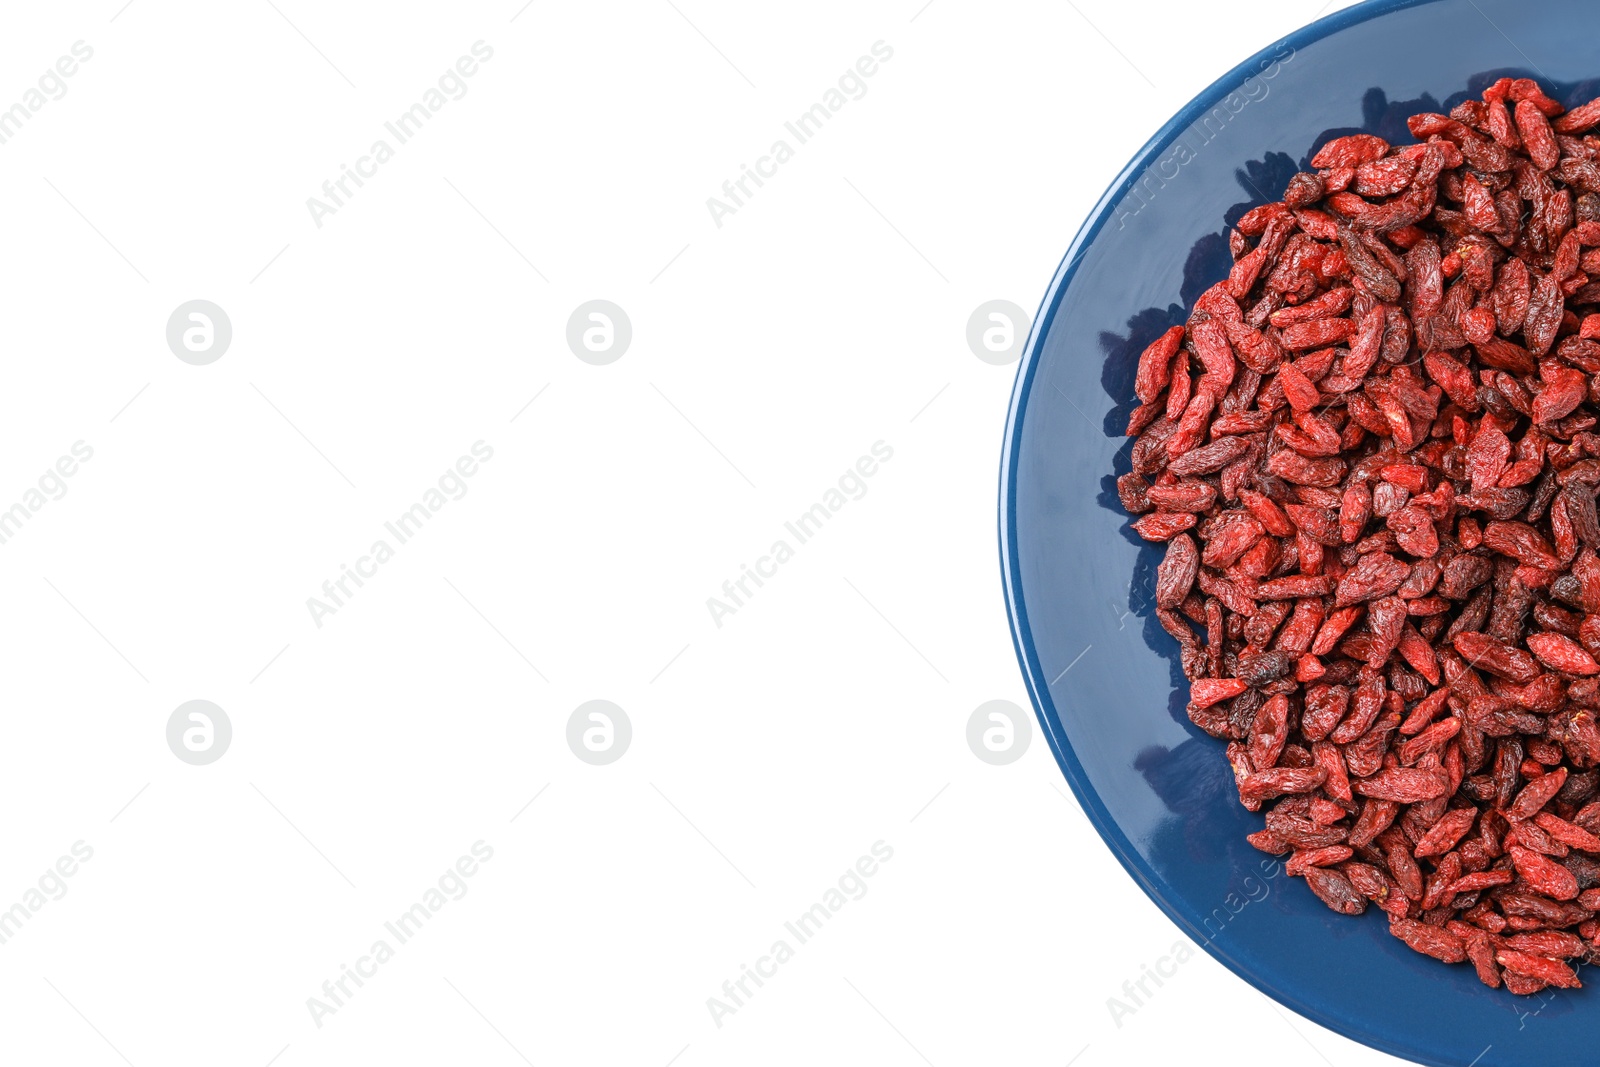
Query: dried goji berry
[1430, 940]
[1381, 568]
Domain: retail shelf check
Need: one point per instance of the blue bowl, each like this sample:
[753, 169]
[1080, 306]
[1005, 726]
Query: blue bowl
[1103, 675]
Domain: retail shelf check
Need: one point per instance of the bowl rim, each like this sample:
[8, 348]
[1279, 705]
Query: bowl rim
[1016, 610]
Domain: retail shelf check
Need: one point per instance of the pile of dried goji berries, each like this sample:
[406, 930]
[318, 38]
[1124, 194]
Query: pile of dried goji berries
[1372, 455]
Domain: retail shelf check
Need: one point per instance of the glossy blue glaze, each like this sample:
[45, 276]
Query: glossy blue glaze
[1103, 675]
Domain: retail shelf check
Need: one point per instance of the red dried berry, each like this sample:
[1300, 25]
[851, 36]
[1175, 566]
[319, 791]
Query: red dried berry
[1430, 940]
[1381, 565]
[1547, 971]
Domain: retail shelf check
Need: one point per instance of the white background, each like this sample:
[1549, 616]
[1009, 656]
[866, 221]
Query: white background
[827, 714]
